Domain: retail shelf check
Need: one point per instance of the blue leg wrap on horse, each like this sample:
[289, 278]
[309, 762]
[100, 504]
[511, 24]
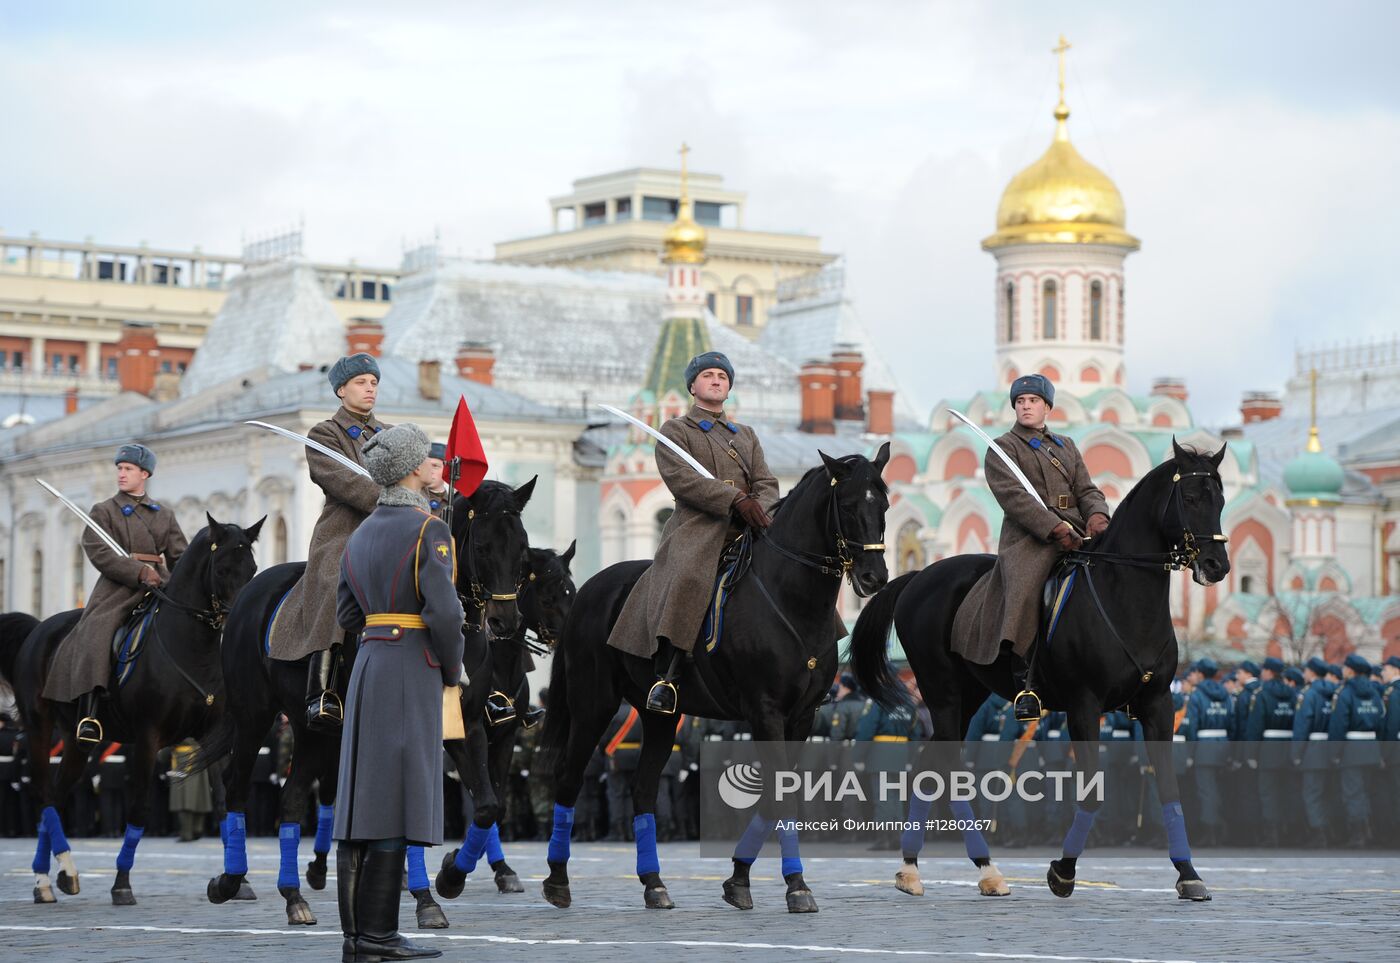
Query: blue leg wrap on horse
[559, 836]
[472, 848]
[223, 831]
[41, 862]
[755, 835]
[787, 842]
[289, 841]
[58, 842]
[912, 839]
[126, 856]
[325, 820]
[236, 845]
[1078, 833]
[417, 870]
[494, 852]
[973, 840]
[1177, 846]
[644, 830]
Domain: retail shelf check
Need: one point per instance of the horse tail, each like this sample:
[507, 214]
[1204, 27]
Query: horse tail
[868, 649]
[554, 737]
[216, 745]
[14, 629]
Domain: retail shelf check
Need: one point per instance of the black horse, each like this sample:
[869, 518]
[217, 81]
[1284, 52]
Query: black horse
[169, 689]
[772, 668]
[1113, 645]
[491, 564]
[545, 601]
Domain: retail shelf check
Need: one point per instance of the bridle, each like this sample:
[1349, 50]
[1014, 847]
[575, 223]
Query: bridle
[477, 594]
[842, 563]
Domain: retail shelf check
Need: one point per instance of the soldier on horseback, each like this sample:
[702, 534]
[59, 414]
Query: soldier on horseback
[1001, 615]
[305, 623]
[665, 610]
[152, 538]
[437, 492]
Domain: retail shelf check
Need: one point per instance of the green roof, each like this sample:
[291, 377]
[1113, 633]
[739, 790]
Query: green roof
[680, 340]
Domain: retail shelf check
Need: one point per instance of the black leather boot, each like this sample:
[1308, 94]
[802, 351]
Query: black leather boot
[663, 696]
[89, 729]
[377, 911]
[324, 710]
[349, 858]
[532, 717]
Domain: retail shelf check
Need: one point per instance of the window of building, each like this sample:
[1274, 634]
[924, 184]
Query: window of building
[743, 310]
[56, 363]
[165, 367]
[710, 301]
[112, 368]
[1096, 311]
[596, 213]
[624, 208]
[1247, 584]
[181, 366]
[1010, 310]
[111, 271]
[17, 360]
[659, 208]
[708, 213]
[1049, 299]
[36, 579]
[72, 364]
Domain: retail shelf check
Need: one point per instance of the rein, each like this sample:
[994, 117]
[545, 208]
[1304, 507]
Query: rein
[213, 617]
[839, 565]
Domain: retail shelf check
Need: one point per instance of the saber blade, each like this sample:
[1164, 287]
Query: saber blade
[677, 449]
[1006, 459]
[313, 445]
[85, 518]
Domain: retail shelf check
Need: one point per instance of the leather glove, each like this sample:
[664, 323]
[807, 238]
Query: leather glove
[1097, 523]
[1066, 537]
[149, 577]
[752, 512]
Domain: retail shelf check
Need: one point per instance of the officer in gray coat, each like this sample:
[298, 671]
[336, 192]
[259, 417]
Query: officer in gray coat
[398, 591]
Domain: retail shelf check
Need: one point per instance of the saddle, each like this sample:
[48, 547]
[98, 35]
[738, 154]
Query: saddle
[129, 641]
[733, 566]
[1056, 593]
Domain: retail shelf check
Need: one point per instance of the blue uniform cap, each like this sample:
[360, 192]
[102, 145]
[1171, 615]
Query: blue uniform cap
[1294, 674]
[1394, 660]
[1033, 384]
[437, 450]
[1274, 664]
[1250, 666]
[1207, 667]
[1333, 669]
[1357, 664]
[1318, 666]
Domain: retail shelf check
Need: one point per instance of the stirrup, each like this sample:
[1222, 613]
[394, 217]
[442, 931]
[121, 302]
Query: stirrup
[325, 711]
[663, 697]
[86, 725]
[532, 716]
[499, 708]
[1027, 706]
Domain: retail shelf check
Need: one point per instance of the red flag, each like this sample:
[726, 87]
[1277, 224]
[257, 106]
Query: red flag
[463, 442]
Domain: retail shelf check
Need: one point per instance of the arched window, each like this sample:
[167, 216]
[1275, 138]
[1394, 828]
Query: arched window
[1096, 311]
[1010, 310]
[1246, 584]
[36, 576]
[1048, 298]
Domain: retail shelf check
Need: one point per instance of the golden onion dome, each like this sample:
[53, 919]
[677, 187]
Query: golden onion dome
[684, 240]
[1061, 199]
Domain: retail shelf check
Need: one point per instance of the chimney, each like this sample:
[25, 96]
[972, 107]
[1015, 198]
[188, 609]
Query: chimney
[364, 334]
[879, 408]
[70, 401]
[476, 362]
[137, 358]
[1260, 406]
[817, 381]
[1171, 387]
[848, 364]
[430, 380]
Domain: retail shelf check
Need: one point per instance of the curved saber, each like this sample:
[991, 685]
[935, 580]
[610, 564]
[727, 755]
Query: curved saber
[684, 455]
[1006, 459]
[85, 518]
[313, 445]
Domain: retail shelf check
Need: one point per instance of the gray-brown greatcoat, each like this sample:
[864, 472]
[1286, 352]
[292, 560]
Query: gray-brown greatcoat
[399, 561]
[306, 621]
[83, 660]
[1005, 603]
[671, 597]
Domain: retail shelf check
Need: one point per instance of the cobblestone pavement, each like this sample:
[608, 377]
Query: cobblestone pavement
[1124, 909]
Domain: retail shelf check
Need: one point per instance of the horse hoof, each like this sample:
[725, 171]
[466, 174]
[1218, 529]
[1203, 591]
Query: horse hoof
[245, 893]
[430, 914]
[1192, 889]
[450, 879]
[223, 888]
[557, 894]
[656, 897]
[801, 901]
[68, 885]
[738, 895]
[508, 883]
[44, 894]
[992, 883]
[123, 897]
[316, 873]
[298, 912]
[907, 881]
[1058, 884]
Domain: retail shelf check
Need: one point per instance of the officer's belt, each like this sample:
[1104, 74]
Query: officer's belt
[891, 738]
[1317, 737]
[1208, 734]
[1361, 736]
[403, 620]
[1278, 733]
[153, 559]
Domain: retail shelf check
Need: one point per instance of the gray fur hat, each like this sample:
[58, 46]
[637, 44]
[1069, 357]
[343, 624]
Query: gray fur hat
[391, 455]
[710, 359]
[138, 455]
[352, 367]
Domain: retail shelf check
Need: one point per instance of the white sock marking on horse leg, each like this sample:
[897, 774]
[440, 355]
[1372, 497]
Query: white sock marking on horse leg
[42, 884]
[66, 864]
[990, 882]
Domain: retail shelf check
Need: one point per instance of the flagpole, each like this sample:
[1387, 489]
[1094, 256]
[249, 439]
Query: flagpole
[453, 473]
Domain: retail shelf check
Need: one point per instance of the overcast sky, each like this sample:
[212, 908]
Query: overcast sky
[1257, 145]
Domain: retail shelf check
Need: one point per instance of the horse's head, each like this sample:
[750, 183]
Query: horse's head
[492, 553]
[548, 595]
[1192, 517]
[861, 500]
[230, 554]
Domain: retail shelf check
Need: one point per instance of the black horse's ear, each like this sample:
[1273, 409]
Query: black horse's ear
[523, 493]
[1177, 451]
[1218, 457]
[882, 456]
[216, 531]
[568, 555]
[835, 468]
[253, 531]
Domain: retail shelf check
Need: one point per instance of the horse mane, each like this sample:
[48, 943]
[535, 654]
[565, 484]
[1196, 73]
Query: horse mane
[1136, 493]
[807, 476]
[190, 558]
